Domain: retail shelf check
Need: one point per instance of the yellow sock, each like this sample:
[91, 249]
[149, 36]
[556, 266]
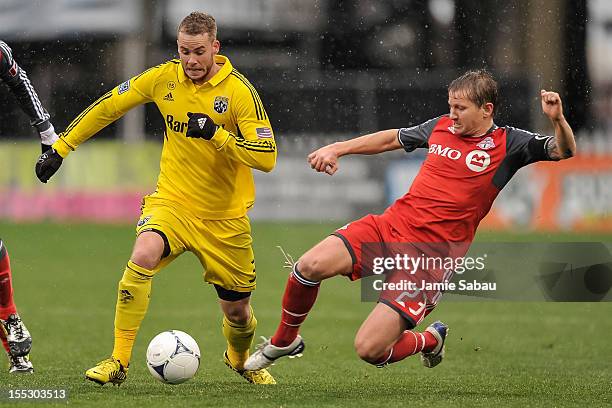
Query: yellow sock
[239, 340]
[132, 303]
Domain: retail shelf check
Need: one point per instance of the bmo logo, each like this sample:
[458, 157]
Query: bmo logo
[444, 151]
[477, 160]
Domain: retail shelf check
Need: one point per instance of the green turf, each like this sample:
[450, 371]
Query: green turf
[498, 354]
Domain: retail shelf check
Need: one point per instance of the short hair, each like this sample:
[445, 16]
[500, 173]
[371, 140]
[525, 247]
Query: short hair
[479, 87]
[198, 22]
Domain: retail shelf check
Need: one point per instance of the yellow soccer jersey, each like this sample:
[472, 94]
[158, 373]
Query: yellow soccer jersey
[212, 178]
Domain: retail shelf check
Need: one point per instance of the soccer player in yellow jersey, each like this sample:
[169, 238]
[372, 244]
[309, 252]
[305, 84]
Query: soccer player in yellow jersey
[217, 130]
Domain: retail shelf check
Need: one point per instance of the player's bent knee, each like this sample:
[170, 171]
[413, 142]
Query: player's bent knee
[310, 268]
[148, 250]
[145, 260]
[370, 351]
[146, 257]
[327, 259]
[315, 269]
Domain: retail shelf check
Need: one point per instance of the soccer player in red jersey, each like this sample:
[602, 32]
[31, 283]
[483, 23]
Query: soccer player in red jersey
[15, 336]
[469, 161]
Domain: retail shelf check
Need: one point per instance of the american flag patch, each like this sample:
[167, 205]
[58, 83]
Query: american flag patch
[264, 133]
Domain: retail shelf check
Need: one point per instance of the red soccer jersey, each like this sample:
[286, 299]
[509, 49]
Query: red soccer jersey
[459, 179]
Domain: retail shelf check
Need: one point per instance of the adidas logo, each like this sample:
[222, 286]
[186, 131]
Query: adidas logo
[201, 122]
[169, 97]
[125, 296]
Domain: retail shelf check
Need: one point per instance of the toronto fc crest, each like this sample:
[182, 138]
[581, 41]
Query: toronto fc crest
[487, 143]
[221, 104]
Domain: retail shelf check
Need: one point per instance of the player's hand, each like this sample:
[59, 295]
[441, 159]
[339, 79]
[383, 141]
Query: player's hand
[551, 105]
[48, 164]
[324, 159]
[201, 125]
[44, 147]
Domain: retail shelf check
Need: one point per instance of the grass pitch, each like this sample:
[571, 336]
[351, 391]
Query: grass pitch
[498, 353]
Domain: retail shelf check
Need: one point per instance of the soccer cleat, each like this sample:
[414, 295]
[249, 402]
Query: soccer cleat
[254, 377]
[267, 353]
[17, 336]
[20, 365]
[439, 330]
[109, 370]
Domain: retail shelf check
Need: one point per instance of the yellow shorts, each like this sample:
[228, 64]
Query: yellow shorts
[222, 246]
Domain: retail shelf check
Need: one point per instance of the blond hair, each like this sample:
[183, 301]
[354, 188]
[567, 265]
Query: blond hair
[198, 22]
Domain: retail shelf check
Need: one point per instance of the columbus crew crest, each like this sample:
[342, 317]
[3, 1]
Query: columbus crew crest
[221, 104]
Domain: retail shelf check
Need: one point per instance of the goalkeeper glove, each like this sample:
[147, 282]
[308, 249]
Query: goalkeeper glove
[201, 125]
[48, 164]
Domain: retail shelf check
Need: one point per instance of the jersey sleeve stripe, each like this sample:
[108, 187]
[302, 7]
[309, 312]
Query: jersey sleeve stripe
[255, 150]
[264, 114]
[90, 107]
[7, 51]
[257, 108]
[263, 146]
[40, 111]
[255, 144]
[261, 113]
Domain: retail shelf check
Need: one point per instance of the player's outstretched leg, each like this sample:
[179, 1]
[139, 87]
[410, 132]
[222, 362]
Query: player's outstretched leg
[300, 295]
[328, 258]
[16, 337]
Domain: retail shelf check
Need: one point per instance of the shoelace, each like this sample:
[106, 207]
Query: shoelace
[110, 362]
[265, 341]
[15, 323]
[289, 262]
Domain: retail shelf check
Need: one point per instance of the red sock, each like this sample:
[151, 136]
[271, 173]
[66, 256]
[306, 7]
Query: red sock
[300, 295]
[4, 342]
[7, 307]
[411, 343]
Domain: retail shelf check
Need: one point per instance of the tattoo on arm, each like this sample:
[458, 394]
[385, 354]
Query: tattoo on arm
[552, 150]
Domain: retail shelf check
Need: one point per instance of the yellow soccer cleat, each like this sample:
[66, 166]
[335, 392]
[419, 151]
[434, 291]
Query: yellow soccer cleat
[109, 370]
[254, 377]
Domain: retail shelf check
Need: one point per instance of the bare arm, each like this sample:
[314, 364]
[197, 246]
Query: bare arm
[326, 158]
[564, 145]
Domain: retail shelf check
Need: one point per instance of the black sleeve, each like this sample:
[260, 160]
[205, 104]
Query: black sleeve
[522, 148]
[22, 88]
[416, 136]
[526, 146]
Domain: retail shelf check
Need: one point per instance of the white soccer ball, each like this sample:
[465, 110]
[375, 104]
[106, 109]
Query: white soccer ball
[173, 357]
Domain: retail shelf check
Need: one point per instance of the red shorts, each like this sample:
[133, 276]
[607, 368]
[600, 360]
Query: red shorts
[372, 239]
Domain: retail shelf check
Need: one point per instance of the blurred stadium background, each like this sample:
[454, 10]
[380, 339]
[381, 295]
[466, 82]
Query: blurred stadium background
[326, 70]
